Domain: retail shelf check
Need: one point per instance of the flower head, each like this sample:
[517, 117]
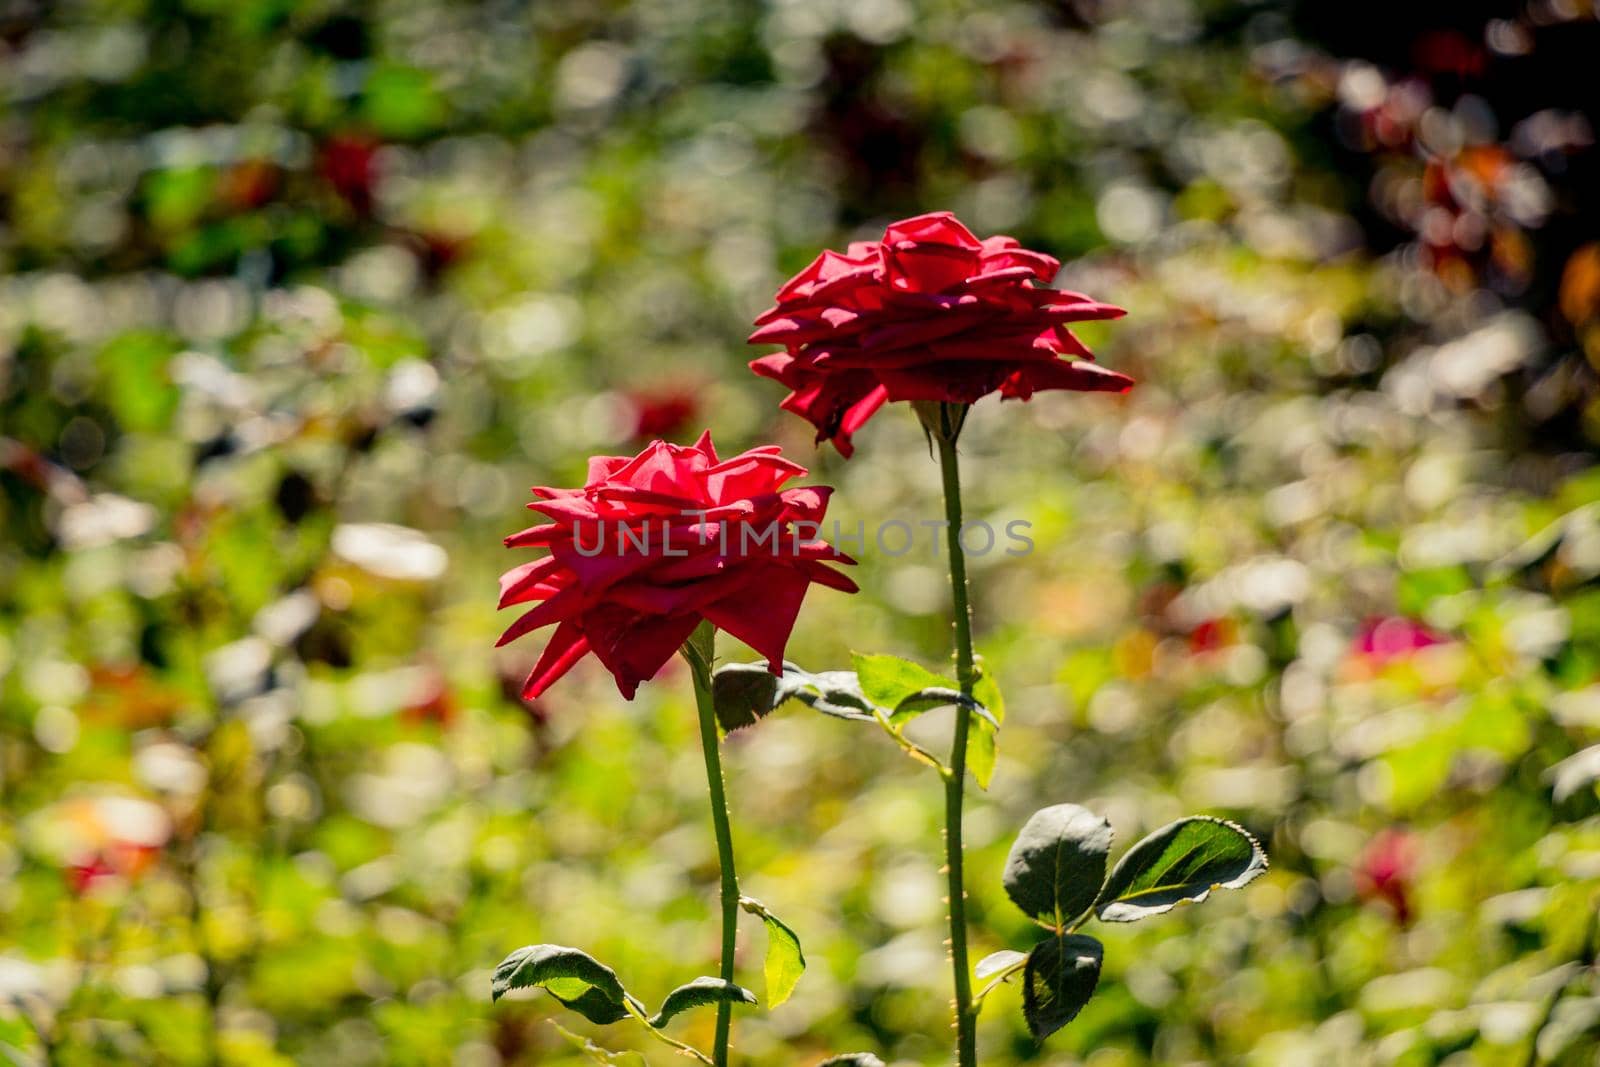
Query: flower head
[929, 313]
[1385, 640]
[654, 543]
[1387, 870]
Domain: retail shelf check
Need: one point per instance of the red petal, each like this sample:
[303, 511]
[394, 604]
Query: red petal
[567, 646]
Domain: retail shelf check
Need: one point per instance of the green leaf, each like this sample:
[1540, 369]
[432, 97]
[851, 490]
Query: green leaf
[995, 962]
[906, 690]
[981, 744]
[937, 697]
[983, 740]
[1180, 862]
[590, 1002]
[785, 962]
[1058, 864]
[745, 693]
[1060, 978]
[836, 693]
[697, 994]
[852, 1059]
[986, 691]
[889, 680]
[573, 977]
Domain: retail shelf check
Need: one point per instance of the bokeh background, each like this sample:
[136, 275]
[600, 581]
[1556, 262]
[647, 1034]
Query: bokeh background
[299, 296]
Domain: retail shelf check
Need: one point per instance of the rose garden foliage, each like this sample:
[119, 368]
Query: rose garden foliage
[299, 298]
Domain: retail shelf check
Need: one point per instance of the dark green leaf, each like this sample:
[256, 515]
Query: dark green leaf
[745, 693]
[785, 961]
[922, 700]
[852, 1059]
[938, 697]
[1060, 978]
[568, 973]
[995, 962]
[986, 691]
[698, 993]
[1058, 863]
[1180, 862]
[592, 1004]
[836, 693]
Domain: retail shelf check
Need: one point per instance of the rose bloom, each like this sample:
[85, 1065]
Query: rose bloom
[928, 313]
[654, 543]
[1384, 640]
[661, 413]
[1387, 871]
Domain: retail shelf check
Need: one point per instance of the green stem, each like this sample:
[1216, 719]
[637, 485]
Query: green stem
[700, 652]
[955, 782]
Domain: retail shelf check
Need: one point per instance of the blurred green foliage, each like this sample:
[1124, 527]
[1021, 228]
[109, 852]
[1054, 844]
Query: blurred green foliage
[300, 296]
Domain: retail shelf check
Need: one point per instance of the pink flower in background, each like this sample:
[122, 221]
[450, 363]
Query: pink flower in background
[1387, 639]
[928, 313]
[1387, 870]
[654, 543]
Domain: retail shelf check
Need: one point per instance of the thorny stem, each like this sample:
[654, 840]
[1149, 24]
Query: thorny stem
[699, 651]
[955, 781]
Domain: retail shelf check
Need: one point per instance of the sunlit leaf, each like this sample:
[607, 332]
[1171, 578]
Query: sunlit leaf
[1179, 863]
[889, 680]
[986, 691]
[785, 962]
[981, 745]
[995, 962]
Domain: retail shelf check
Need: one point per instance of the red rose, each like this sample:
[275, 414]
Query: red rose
[349, 163]
[928, 313]
[661, 414]
[1387, 870]
[654, 543]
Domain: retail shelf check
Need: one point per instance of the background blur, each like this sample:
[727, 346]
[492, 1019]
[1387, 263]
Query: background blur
[299, 296]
